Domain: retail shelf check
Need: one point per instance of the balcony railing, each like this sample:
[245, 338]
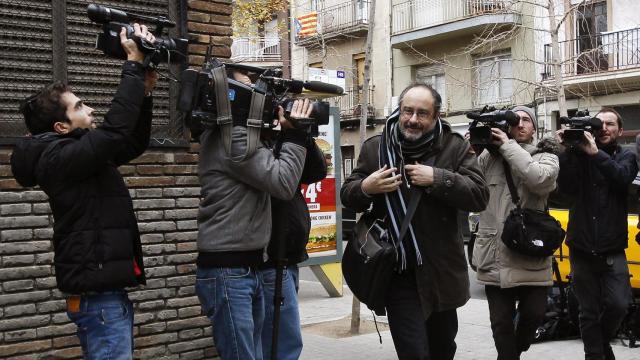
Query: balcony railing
[610, 51]
[342, 18]
[256, 49]
[350, 104]
[417, 14]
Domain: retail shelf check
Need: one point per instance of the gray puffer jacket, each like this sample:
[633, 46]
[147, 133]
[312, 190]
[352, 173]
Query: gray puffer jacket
[534, 170]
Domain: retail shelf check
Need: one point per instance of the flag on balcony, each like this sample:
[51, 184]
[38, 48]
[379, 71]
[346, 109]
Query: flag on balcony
[307, 24]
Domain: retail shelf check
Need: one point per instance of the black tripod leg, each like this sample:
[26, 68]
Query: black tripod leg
[278, 300]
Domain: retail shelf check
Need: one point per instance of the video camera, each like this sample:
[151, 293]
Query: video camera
[198, 98]
[578, 124]
[163, 49]
[487, 118]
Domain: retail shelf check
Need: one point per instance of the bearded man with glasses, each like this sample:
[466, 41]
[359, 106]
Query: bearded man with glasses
[418, 155]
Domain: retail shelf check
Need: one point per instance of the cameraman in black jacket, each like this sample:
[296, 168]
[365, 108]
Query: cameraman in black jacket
[291, 224]
[596, 175]
[96, 242]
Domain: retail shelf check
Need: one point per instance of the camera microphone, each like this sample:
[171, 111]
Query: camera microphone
[319, 86]
[498, 115]
[102, 14]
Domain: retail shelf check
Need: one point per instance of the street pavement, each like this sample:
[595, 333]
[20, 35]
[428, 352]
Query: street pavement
[474, 338]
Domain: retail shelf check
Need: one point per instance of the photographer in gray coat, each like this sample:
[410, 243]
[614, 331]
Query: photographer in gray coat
[509, 277]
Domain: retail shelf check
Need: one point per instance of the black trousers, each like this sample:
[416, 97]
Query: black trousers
[603, 290]
[513, 334]
[414, 337]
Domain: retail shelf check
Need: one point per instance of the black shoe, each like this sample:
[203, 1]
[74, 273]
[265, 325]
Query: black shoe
[608, 352]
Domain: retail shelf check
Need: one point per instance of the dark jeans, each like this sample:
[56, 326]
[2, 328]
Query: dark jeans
[510, 336]
[601, 285]
[413, 337]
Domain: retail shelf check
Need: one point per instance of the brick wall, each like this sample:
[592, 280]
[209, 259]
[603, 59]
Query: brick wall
[164, 186]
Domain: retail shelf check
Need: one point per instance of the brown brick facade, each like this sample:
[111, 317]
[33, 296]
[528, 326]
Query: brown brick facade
[164, 186]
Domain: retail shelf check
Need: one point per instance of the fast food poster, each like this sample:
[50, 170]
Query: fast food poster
[321, 198]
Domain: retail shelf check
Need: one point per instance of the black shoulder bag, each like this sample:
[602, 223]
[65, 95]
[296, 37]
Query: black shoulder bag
[369, 259]
[528, 231]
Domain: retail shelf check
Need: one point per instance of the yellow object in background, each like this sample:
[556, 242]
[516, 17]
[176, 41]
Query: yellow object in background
[633, 251]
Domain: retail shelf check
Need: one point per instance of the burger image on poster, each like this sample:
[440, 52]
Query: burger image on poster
[327, 150]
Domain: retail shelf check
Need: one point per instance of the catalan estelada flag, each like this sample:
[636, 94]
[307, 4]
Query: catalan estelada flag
[308, 24]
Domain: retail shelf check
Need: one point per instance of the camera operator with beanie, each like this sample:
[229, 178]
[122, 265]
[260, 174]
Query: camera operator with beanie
[511, 278]
[418, 156]
[96, 241]
[596, 175]
[234, 226]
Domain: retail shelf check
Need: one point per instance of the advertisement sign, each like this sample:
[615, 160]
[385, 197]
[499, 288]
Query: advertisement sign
[321, 198]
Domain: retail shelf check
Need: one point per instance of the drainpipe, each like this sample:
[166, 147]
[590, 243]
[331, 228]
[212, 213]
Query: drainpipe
[390, 85]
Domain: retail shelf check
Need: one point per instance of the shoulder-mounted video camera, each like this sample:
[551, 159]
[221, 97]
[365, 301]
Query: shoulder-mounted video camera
[205, 94]
[487, 118]
[163, 49]
[578, 124]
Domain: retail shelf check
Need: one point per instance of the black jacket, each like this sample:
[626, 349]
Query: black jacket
[443, 280]
[96, 238]
[597, 186]
[291, 221]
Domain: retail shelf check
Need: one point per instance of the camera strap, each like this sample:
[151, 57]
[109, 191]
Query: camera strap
[223, 105]
[254, 125]
[512, 187]
[225, 119]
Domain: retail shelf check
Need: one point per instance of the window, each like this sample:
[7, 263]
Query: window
[434, 76]
[591, 21]
[317, 5]
[493, 80]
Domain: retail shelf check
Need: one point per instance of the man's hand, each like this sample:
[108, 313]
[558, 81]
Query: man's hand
[560, 136]
[380, 181]
[590, 147]
[421, 175]
[498, 137]
[130, 47]
[301, 109]
[150, 80]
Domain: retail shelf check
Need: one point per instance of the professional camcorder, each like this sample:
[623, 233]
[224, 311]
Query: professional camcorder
[163, 49]
[487, 118]
[206, 93]
[578, 124]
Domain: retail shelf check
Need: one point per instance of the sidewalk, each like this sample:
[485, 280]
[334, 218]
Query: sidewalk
[474, 336]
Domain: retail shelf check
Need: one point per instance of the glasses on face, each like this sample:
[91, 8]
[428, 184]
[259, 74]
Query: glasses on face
[421, 114]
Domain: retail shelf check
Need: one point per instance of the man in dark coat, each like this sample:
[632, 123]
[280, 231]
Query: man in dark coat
[431, 279]
[596, 175]
[291, 224]
[96, 241]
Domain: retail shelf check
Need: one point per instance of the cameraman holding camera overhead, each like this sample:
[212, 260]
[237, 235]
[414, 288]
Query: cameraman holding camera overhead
[508, 276]
[234, 226]
[96, 241]
[596, 175]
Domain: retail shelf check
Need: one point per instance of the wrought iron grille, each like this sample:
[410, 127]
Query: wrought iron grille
[26, 55]
[37, 46]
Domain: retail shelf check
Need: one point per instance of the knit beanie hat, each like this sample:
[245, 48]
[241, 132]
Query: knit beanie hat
[529, 112]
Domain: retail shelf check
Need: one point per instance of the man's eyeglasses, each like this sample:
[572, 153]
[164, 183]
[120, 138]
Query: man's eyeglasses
[422, 114]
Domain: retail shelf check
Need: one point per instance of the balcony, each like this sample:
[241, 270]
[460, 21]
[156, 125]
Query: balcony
[421, 21]
[262, 50]
[608, 58]
[350, 105]
[347, 18]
